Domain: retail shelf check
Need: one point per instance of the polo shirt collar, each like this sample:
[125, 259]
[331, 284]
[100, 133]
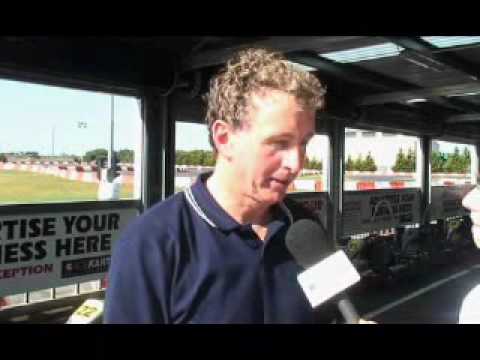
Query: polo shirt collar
[205, 205]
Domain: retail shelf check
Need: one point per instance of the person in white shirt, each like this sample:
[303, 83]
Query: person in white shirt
[470, 309]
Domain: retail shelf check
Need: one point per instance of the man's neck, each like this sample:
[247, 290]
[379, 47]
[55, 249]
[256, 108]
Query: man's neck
[239, 206]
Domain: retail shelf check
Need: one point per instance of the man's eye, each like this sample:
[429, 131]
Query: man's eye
[280, 144]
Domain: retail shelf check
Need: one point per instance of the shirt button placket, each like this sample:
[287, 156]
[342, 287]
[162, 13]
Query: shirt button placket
[251, 237]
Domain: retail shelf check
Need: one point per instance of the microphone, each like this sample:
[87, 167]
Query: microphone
[328, 272]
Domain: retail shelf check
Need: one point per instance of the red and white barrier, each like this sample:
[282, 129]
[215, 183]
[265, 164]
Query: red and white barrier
[88, 173]
[8, 166]
[65, 172]
[366, 185]
[397, 184]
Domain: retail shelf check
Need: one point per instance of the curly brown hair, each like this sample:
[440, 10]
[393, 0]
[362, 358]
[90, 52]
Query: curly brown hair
[250, 71]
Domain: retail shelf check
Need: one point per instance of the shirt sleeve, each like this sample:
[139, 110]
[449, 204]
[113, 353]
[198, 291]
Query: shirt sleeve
[139, 277]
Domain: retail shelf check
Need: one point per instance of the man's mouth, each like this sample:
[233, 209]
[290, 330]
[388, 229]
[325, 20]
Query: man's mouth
[282, 182]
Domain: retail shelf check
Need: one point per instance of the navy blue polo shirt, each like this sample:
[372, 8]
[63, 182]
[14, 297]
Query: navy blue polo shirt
[186, 260]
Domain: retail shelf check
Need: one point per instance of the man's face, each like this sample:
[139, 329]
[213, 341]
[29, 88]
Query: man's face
[268, 151]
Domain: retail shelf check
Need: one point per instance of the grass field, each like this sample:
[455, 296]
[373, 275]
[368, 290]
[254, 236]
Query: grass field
[22, 187]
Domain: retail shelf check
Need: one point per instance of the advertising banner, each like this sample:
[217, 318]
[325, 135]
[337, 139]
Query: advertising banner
[50, 250]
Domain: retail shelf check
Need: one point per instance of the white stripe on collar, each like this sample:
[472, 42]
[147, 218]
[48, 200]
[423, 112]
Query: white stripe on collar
[199, 211]
[196, 207]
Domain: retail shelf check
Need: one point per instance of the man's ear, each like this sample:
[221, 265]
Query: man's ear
[222, 138]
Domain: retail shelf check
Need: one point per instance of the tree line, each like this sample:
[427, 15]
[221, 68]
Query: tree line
[313, 164]
[360, 164]
[455, 162]
[195, 157]
[26, 154]
[405, 163]
[452, 163]
[123, 156]
[206, 158]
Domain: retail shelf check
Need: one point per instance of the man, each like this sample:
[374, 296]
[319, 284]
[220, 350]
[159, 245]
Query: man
[470, 309]
[215, 253]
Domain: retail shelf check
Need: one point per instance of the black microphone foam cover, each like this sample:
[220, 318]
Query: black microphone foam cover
[307, 242]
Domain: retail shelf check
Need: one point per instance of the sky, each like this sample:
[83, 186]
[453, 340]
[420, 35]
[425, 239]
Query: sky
[31, 114]
[37, 117]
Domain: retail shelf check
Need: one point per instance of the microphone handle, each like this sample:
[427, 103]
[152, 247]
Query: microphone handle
[348, 311]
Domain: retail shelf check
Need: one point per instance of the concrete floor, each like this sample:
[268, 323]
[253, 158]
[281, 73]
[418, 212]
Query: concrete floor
[426, 295]
[430, 295]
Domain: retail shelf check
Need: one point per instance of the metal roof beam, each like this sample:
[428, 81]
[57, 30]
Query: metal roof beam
[354, 74]
[280, 43]
[348, 73]
[416, 44]
[463, 118]
[456, 48]
[295, 51]
[428, 93]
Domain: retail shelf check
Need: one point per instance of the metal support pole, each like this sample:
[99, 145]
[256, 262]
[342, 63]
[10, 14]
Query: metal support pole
[424, 170]
[168, 148]
[336, 183]
[111, 157]
[152, 161]
[159, 148]
[476, 164]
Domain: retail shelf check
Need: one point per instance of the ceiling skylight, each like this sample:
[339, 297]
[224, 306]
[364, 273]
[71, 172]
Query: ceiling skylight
[301, 67]
[363, 53]
[448, 41]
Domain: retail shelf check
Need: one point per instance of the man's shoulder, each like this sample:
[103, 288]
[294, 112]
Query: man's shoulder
[158, 220]
[165, 208]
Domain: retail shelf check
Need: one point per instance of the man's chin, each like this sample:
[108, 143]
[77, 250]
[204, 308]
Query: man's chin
[275, 196]
[269, 196]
